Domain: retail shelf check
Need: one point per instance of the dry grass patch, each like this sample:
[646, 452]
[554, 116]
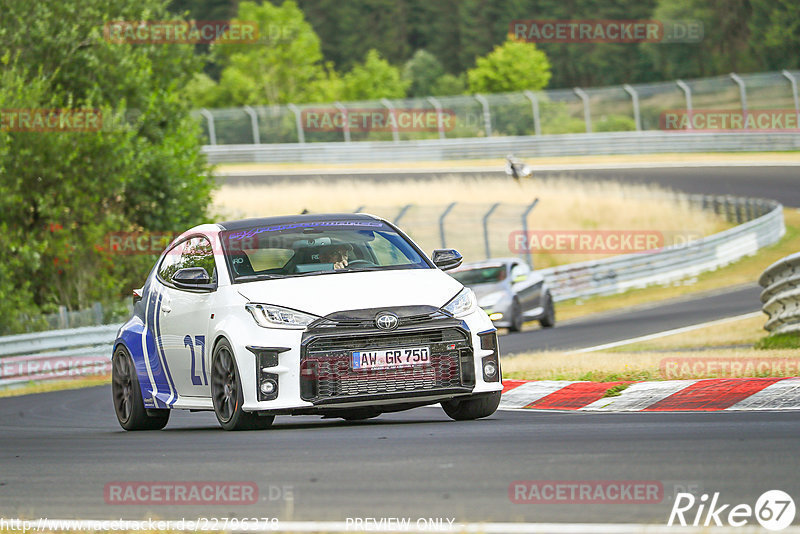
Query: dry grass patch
[742, 332]
[744, 271]
[55, 385]
[564, 204]
[498, 164]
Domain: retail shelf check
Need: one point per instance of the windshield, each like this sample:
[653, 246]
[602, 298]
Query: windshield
[483, 275]
[317, 247]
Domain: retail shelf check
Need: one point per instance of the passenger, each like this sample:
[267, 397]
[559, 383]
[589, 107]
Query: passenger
[336, 254]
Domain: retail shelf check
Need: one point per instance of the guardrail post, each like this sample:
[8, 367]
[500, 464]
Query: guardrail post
[212, 132]
[441, 222]
[537, 126]
[687, 91]
[635, 97]
[793, 81]
[402, 212]
[439, 121]
[587, 116]
[742, 96]
[253, 124]
[301, 134]
[487, 115]
[528, 209]
[345, 121]
[388, 105]
[486, 228]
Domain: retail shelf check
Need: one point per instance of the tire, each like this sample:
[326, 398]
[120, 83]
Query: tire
[227, 396]
[548, 320]
[127, 396]
[516, 317]
[469, 409]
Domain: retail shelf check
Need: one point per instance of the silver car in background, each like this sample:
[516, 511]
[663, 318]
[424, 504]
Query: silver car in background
[509, 291]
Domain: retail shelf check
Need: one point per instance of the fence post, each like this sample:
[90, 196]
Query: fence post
[793, 81]
[402, 212]
[301, 134]
[525, 229]
[587, 116]
[537, 126]
[345, 122]
[742, 96]
[212, 133]
[486, 228]
[438, 108]
[390, 107]
[441, 222]
[635, 97]
[97, 309]
[687, 91]
[253, 124]
[487, 115]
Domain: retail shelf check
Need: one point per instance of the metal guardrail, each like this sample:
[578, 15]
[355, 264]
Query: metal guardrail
[620, 108]
[764, 226]
[56, 354]
[648, 142]
[63, 354]
[781, 296]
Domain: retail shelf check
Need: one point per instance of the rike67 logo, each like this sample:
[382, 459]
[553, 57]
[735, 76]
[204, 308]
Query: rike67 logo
[774, 510]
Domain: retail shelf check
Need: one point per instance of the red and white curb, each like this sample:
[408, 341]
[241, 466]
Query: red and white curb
[714, 394]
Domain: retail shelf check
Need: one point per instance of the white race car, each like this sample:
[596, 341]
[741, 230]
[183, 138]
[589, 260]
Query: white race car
[336, 315]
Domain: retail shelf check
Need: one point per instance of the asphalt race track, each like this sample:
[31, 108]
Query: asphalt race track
[634, 322]
[59, 450]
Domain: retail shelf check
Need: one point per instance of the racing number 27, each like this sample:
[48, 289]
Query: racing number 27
[200, 341]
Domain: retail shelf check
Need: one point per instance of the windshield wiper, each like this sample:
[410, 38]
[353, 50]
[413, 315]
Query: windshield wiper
[251, 277]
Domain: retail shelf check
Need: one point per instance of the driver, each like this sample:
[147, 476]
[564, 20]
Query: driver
[336, 254]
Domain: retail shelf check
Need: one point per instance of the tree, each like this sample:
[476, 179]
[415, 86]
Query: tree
[286, 65]
[140, 168]
[513, 66]
[373, 79]
[421, 73]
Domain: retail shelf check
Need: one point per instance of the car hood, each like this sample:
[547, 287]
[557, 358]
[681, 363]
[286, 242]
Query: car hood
[481, 290]
[326, 293]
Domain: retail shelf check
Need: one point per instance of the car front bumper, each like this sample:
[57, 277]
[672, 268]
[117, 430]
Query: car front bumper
[312, 373]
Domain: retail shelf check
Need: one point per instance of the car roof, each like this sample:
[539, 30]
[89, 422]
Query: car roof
[242, 224]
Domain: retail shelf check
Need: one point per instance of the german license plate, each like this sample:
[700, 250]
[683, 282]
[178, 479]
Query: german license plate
[364, 360]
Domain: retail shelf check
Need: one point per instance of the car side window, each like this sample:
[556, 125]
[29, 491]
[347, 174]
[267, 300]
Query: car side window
[171, 262]
[197, 252]
[194, 252]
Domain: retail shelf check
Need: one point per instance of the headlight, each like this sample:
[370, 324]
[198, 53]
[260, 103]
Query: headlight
[462, 304]
[276, 317]
[492, 298]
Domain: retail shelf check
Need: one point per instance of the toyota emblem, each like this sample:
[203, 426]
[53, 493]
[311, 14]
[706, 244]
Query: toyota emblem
[386, 321]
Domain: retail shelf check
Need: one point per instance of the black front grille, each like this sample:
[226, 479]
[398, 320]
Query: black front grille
[327, 375]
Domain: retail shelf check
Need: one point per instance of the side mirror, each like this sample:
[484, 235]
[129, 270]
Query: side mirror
[446, 258]
[192, 278]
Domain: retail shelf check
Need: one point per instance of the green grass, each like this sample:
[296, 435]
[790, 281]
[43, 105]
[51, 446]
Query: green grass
[779, 341]
[616, 391]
